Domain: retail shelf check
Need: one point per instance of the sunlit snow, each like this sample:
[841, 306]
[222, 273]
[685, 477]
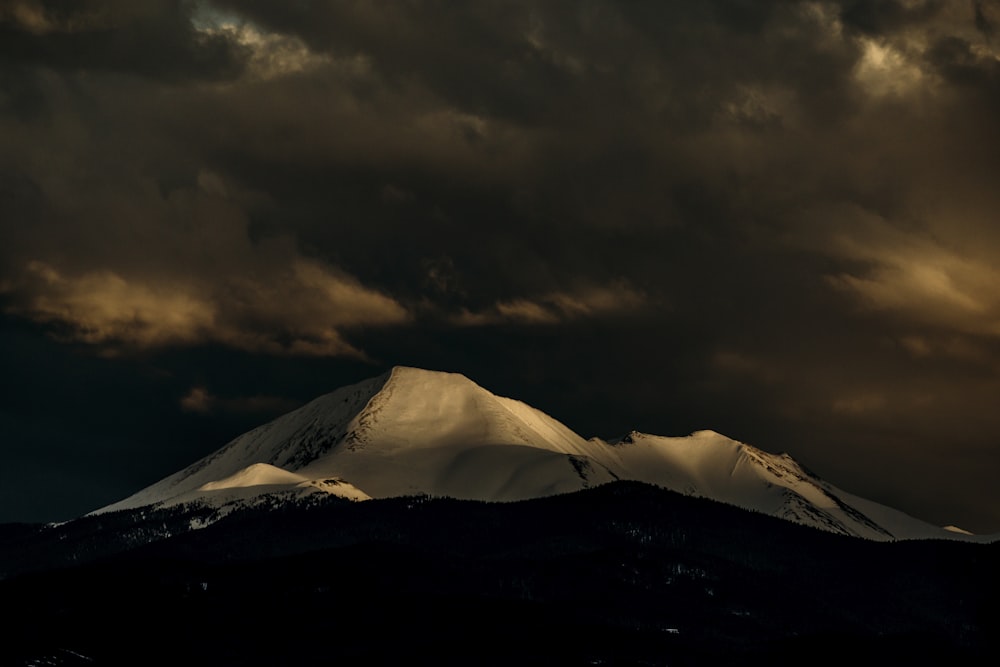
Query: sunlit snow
[412, 431]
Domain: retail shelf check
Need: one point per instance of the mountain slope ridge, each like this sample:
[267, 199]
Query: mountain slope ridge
[412, 431]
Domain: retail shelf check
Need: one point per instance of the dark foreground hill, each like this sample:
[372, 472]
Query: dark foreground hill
[623, 574]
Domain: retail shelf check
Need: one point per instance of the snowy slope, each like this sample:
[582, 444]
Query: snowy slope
[409, 431]
[260, 478]
[413, 431]
[285, 442]
[711, 465]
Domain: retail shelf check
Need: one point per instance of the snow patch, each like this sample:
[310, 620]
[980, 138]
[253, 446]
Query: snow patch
[257, 474]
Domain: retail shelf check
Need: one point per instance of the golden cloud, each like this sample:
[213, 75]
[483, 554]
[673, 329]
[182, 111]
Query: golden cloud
[885, 71]
[556, 307]
[102, 306]
[272, 55]
[27, 15]
[931, 284]
[201, 401]
[197, 400]
[301, 311]
[911, 273]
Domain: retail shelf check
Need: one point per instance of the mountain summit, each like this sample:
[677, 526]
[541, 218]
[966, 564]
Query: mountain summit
[413, 431]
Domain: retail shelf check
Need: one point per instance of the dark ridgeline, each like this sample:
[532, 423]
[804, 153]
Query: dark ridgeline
[623, 574]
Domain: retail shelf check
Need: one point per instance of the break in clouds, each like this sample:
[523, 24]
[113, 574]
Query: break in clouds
[784, 212]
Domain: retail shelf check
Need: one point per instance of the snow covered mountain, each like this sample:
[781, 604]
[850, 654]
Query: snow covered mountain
[412, 431]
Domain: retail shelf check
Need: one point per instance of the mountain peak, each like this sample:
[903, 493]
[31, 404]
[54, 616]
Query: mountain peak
[414, 372]
[416, 431]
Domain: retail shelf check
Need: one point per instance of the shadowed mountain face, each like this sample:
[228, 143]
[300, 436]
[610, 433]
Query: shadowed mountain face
[622, 574]
[413, 431]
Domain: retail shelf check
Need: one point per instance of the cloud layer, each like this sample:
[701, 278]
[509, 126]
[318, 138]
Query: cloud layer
[776, 219]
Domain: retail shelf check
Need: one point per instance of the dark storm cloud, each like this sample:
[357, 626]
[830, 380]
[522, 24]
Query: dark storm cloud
[475, 54]
[153, 38]
[774, 219]
[888, 16]
[984, 23]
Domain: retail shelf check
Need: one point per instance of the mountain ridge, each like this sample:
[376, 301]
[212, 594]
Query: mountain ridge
[412, 431]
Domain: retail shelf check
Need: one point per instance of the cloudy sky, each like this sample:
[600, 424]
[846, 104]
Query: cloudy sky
[778, 220]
